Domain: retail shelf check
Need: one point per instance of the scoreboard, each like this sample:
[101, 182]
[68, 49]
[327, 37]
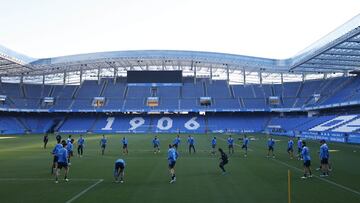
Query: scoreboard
[154, 76]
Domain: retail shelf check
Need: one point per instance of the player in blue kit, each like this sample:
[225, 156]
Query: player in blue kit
[103, 143]
[230, 142]
[191, 142]
[68, 139]
[176, 142]
[80, 142]
[305, 153]
[54, 152]
[156, 144]
[119, 171]
[324, 158]
[69, 148]
[245, 145]
[172, 157]
[213, 145]
[271, 144]
[62, 162]
[125, 145]
[290, 148]
[299, 146]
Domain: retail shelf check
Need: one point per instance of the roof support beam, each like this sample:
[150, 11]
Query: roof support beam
[211, 74]
[64, 78]
[244, 76]
[337, 59]
[325, 67]
[194, 67]
[333, 65]
[335, 43]
[338, 63]
[98, 75]
[81, 75]
[342, 52]
[347, 48]
[11, 66]
[5, 64]
[21, 80]
[116, 70]
[227, 74]
[260, 77]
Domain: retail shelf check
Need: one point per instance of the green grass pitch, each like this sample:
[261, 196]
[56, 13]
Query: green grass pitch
[25, 173]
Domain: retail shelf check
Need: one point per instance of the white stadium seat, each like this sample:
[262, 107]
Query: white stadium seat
[335, 122]
[349, 127]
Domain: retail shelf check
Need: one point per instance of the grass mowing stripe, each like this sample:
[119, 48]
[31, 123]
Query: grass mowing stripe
[46, 179]
[199, 177]
[317, 177]
[323, 179]
[84, 191]
[160, 158]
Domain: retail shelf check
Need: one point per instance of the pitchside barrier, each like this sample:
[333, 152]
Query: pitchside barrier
[328, 136]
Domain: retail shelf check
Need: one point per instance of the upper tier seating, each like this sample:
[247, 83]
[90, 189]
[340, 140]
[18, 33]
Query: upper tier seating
[191, 90]
[120, 97]
[89, 89]
[138, 92]
[218, 89]
[114, 90]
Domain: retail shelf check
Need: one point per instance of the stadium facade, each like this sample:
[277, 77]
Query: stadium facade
[314, 94]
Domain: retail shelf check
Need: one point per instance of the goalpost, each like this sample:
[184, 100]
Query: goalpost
[289, 186]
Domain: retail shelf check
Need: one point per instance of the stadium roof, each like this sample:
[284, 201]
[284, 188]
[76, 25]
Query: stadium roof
[339, 51]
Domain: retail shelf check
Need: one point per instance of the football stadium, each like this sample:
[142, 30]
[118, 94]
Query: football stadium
[110, 126]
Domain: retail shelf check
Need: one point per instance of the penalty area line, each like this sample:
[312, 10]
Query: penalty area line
[84, 191]
[317, 177]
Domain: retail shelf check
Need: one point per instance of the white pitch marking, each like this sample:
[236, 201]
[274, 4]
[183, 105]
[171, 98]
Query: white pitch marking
[84, 191]
[46, 179]
[1, 138]
[323, 179]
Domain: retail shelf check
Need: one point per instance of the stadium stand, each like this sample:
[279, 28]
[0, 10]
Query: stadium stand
[90, 89]
[244, 91]
[168, 92]
[121, 97]
[333, 123]
[237, 123]
[277, 96]
[114, 90]
[191, 90]
[291, 89]
[351, 126]
[134, 92]
[77, 124]
[217, 89]
[298, 123]
[121, 124]
[10, 125]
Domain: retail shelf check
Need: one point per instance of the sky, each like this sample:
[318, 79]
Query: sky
[264, 28]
